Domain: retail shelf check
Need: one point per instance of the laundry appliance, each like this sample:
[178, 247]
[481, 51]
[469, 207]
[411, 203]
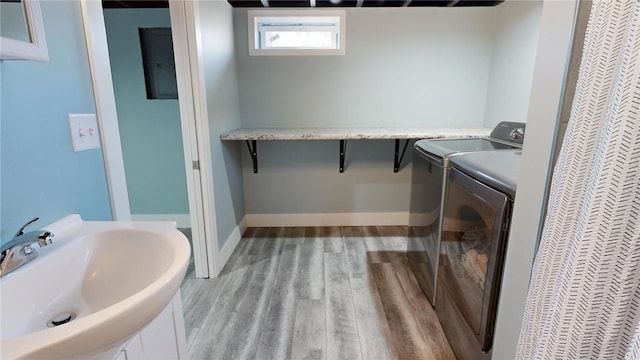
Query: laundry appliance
[430, 168]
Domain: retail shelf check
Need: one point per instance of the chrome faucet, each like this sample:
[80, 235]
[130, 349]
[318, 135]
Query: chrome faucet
[19, 250]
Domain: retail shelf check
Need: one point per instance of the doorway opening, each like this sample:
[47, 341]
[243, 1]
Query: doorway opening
[157, 189]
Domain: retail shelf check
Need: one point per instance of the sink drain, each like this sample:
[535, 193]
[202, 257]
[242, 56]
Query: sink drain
[61, 319]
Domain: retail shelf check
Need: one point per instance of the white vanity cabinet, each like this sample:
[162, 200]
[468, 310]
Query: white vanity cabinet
[163, 338]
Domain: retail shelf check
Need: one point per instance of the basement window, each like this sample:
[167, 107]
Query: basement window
[296, 32]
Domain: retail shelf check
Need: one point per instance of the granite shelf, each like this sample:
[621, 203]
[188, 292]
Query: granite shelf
[251, 136]
[372, 133]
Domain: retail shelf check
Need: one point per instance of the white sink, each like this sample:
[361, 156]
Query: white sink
[114, 276]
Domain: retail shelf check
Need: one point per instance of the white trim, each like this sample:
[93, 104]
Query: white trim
[36, 49]
[252, 14]
[98, 51]
[195, 41]
[232, 242]
[181, 220]
[329, 219]
[188, 106]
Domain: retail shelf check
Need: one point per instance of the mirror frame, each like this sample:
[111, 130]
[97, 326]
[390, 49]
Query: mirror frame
[11, 49]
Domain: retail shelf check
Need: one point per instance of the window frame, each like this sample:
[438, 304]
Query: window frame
[251, 25]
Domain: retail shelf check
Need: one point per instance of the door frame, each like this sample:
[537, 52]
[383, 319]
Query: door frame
[195, 138]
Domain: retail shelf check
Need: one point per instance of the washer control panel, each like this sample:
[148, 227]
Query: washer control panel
[509, 131]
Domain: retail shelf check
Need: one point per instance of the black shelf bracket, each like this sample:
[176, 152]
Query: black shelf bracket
[343, 152]
[397, 157]
[253, 151]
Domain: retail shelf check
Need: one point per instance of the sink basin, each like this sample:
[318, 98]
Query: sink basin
[112, 278]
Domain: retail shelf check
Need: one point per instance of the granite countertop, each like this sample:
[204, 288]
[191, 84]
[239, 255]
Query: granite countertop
[352, 133]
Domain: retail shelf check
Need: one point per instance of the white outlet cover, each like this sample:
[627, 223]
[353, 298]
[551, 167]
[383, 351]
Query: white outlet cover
[84, 132]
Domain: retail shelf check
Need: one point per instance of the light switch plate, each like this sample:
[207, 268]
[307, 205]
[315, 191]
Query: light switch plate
[84, 132]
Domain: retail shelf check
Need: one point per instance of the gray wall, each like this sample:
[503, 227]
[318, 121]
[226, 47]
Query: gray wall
[546, 93]
[420, 67]
[403, 67]
[41, 175]
[221, 88]
[512, 61]
[149, 129]
[302, 177]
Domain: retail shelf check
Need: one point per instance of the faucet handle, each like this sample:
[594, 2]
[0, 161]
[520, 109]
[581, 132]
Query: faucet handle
[21, 231]
[44, 238]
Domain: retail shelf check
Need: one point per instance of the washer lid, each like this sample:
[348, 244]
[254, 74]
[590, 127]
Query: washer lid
[444, 147]
[497, 169]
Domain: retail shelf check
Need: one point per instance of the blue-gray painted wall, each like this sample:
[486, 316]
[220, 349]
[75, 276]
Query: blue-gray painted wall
[149, 129]
[40, 173]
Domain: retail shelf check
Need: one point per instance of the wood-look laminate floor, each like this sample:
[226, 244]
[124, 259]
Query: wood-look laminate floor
[313, 293]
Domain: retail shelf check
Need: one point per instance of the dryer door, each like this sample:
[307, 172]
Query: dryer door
[472, 251]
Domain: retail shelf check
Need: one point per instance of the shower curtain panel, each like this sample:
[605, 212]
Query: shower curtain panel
[584, 296]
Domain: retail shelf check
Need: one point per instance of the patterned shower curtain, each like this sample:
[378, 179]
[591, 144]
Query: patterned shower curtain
[584, 296]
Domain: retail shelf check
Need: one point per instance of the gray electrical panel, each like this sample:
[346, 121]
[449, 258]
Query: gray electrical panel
[159, 64]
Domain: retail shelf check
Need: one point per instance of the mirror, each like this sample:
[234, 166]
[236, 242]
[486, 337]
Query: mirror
[22, 31]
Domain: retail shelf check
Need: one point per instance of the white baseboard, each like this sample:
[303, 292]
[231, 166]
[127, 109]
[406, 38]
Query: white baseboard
[328, 219]
[223, 255]
[182, 220]
[424, 219]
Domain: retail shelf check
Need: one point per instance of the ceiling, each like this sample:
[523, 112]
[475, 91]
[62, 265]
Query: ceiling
[133, 4]
[360, 3]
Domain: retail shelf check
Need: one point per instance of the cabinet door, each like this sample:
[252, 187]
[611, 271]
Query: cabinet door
[133, 351]
[121, 355]
[164, 337]
[159, 337]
